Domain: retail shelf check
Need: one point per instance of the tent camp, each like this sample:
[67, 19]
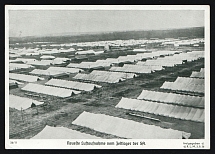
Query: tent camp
[125, 128]
[172, 98]
[48, 90]
[168, 110]
[21, 103]
[62, 133]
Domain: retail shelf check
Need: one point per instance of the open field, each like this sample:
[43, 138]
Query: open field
[61, 112]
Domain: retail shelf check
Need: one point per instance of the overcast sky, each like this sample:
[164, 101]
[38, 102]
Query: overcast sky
[38, 22]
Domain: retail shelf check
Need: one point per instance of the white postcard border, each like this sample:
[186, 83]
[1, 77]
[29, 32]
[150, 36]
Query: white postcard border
[149, 143]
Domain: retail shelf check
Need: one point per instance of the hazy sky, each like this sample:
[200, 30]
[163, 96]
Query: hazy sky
[41, 22]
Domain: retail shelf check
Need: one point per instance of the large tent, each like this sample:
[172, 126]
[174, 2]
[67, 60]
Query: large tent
[21, 103]
[72, 84]
[183, 87]
[125, 128]
[23, 77]
[168, 110]
[48, 90]
[172, 98]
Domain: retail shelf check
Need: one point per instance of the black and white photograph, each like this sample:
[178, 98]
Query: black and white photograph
[105, 77]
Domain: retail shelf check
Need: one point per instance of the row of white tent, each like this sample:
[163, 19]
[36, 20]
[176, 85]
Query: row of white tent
[167, 61]
[183, 42]
[185, 84]
[22, 103]
[176, 59]
[156, 64]
[168, 110]
[72, 85]
[23, 77]
[129, 58]
[126, 128]
[200, 74]
[55, 71]
[172, 98]
[132, 42]
[105, 76]
[49, 90]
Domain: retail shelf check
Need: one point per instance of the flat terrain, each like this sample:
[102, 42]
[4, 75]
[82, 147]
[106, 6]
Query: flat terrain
[61, 112]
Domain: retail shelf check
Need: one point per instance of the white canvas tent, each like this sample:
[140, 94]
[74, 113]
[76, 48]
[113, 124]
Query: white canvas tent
[23, 103]
[168, 110]
[72, 85]
[125, 128]
[183, 87]
[48, 90]
[197, 75]
[172, 98]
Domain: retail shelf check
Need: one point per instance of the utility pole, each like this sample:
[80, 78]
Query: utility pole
[37, 110]
[22, 114]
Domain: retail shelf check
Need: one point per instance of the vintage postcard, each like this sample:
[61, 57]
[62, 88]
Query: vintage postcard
[107, 77]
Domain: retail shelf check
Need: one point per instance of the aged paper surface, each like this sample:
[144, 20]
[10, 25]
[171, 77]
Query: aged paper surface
[107, 77]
